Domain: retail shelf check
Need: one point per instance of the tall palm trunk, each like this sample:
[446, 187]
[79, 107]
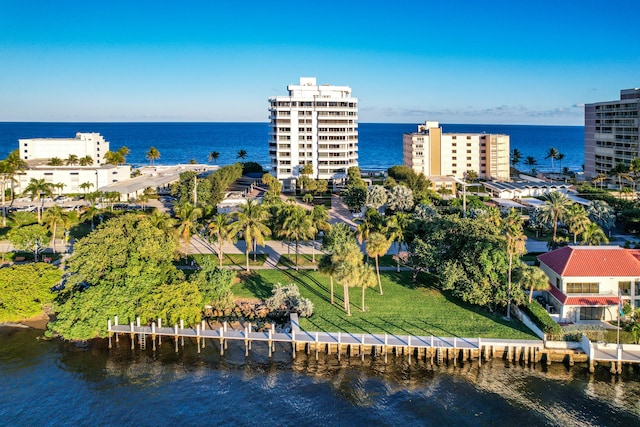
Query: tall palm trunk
[347, 306]
[220, 255]
[55, 227]
[378, 273]
[331, 281]
[297, 250]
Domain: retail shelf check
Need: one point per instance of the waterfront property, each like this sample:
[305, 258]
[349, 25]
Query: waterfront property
[585, 281]
[436, 154]
[314, 124]
[611, 132]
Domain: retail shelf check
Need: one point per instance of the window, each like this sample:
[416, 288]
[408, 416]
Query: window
[625, 288]
[583, 288]
[591, 313]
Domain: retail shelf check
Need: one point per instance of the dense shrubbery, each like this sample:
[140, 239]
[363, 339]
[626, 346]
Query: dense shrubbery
[541, 318]
[287, 298]
[24, 290]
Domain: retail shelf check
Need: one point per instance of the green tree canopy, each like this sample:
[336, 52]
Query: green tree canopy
[24, 290]
[112, 272]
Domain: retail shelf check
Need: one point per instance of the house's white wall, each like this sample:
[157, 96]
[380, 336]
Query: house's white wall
[84, 144]
[73, 177]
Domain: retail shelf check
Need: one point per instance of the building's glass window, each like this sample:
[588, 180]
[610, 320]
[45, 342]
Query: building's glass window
[583, 288]
[625, 288]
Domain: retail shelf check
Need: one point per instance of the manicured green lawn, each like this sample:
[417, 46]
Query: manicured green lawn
[403, 309]
[303, 259]
[230, 259]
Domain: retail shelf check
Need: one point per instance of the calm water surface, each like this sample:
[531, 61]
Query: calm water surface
[55, 383]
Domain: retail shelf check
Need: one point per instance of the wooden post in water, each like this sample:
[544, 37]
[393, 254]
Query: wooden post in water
[115, 321]
[159, 327]
[273, 332]
[198, 337]
[293, 343]
[386, 343]
[269, 342]
[316, 346]
[221, 341]
[175, 331]
[153, 335]
[479, 352]
[109, 329]
[246, 341]
[409, 347]
[250, 329]
[225, 329]
[455, 351]
[362, 348]
[133, 337]
[182, 337]
[339, 345]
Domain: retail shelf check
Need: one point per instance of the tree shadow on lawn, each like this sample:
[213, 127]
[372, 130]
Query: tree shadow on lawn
[256, 284]
[496, 316]
[405, 279]
[429, 328]
[303, 278]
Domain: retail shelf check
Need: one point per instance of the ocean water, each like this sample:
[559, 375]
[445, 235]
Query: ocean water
[51, 383]
[380, 144]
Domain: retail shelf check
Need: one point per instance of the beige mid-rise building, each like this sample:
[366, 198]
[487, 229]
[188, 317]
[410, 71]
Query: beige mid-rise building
[315, 124]
[433, 153]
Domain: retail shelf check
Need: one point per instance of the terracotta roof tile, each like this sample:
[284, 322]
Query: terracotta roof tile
[584, 300]
[596, 261]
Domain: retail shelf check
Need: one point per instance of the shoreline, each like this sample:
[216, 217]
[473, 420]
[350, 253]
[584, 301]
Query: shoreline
[38, 322]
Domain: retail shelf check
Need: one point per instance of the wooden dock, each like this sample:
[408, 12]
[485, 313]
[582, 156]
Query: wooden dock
[436, 349]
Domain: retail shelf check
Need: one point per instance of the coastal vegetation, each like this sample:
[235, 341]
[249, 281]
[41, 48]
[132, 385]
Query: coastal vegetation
[25, 290]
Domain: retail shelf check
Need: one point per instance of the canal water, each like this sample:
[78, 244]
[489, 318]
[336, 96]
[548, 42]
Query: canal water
[56, 383]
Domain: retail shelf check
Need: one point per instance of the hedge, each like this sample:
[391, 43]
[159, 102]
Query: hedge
[541, 318]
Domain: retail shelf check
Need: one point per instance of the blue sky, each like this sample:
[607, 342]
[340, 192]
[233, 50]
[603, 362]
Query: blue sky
[511, 62]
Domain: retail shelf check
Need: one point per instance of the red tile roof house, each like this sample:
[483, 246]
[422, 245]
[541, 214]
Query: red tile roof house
[584, 281]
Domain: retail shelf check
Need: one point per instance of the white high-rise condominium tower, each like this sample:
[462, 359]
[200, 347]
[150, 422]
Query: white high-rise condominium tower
[315, 124]
[611, 132]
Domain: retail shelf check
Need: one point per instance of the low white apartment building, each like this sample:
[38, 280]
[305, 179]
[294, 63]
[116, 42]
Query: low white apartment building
[314, 124]
[72, 177]
[84, 144]
[585, 281]
[433, 153]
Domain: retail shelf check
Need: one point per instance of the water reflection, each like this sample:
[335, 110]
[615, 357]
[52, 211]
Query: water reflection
[187, 387]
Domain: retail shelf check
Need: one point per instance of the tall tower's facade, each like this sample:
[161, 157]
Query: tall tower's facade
[316, 124]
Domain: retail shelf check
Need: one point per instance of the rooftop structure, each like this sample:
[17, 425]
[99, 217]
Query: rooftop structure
[314, 124]
[433, 153]
[611, 132]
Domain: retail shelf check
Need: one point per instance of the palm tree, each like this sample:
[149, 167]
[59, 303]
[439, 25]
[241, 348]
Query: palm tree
[89, 214]
[516, 156]
[298, 226]
[599, 179]
[320, 222]
[86, 161]
[533, 278]
[576, 220]
[220, 227]
[59, 186]
[36, 189]
[326, 266]
[515, 239]
[366, 279]
[593, 235]
[250, 221]
[531, 162]
[72, 160]
[560, 158]
[395, 228]
[188, 216]
[620, 171]
[242, 154]
[55, 161]
[53, 216]
[85, 186]
[634, 169]
[552, 154]
[554, 209]
[152, 154]
[113, 158]
[377, 246]
[347, 259]
[213, 156]
[6, 176]
[14, 165]
[162, 221]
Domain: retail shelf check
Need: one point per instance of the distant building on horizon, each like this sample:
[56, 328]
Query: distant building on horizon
[315, 124]
[436, 154]
[611, 132]
[84, 144]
